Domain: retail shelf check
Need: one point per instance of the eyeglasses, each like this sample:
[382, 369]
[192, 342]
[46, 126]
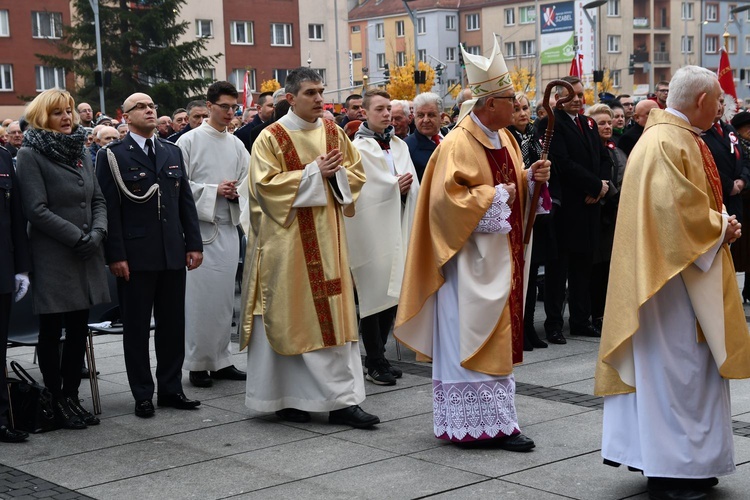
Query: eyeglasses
[227, 107]
[511, 98]
[141, 106]
[665, 91]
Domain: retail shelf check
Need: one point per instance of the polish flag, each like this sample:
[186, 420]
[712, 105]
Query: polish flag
[248, 93]
[576, 65]
[726, 80]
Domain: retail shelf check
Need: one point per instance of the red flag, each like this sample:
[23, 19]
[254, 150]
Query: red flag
[248, 97]
[726, 80]
[576, 65]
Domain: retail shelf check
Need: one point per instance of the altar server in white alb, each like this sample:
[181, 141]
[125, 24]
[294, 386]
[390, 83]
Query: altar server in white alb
[378, 234]
[216, 163]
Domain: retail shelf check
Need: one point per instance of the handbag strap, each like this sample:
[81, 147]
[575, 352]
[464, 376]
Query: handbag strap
[22, 373]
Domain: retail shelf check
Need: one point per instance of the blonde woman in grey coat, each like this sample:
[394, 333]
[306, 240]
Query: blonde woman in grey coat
[67, 224]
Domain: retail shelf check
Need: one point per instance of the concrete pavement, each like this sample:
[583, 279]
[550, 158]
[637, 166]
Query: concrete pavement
[224, 450]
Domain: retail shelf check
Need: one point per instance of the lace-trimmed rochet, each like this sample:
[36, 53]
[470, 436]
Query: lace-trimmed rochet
[123, 190]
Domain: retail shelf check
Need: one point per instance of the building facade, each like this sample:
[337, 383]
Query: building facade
[721, 28]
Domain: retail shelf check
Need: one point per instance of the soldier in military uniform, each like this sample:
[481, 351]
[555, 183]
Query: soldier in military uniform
[153, 236]
[14, 269]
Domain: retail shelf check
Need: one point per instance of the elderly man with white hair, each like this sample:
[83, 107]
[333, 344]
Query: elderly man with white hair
[674, 328]
[427, 109]
[400, 118]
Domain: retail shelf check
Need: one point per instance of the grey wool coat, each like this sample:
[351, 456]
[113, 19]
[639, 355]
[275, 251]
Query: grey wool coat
[62, 203]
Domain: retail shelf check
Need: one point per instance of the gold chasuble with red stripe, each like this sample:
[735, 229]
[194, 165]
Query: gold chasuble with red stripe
[456, 191]
[297, 269]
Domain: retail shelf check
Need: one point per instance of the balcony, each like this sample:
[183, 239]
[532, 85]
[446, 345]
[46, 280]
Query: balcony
[641, 22]
[661, 57]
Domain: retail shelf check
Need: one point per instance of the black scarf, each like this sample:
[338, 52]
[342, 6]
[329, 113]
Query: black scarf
[63, 148]
[384, 139]
[531, 148]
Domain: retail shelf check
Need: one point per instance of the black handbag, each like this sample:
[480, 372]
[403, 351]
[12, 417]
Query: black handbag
[30, 402]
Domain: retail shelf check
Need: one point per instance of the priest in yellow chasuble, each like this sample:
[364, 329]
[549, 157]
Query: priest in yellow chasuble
[674, 328]
[463, 291]
[299, 321]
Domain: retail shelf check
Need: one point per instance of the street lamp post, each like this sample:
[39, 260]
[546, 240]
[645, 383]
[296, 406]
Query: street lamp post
[95, 7]
[595, 25]
[415, 22]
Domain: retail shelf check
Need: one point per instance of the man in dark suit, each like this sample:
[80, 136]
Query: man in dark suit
[153, 236]
[582, 162]
[264, 116]
[733, 166]
[14, 281]
[196, 113]
[428, 135]
[630, 137]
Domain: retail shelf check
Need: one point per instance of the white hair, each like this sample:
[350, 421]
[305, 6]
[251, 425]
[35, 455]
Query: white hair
[404, 106]
[279, 96]
[428, 98]
[687, 84]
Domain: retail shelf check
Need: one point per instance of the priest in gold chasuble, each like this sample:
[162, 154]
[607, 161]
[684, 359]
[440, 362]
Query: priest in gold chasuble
[299, 321]
[674, 328]
[463, 291]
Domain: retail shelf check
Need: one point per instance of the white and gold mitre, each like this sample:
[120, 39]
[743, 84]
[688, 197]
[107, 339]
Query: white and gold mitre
[487, 76]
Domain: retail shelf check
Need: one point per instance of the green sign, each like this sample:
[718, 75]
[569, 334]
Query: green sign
[557, 48]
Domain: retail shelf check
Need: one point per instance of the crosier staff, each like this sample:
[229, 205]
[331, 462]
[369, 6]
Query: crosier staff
[531, 216]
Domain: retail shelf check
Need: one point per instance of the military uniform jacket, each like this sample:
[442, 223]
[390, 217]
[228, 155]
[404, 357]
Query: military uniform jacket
[14, 246]
[150, 236]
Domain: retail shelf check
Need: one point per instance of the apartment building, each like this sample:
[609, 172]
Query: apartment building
[721, 28]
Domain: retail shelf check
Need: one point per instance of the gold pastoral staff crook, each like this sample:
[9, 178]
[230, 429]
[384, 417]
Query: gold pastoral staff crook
[545, 147]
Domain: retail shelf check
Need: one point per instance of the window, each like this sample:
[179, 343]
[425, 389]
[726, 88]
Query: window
[242, 33]
[510, 49]
[613, 43]
[687, 11]
[280, 75]
[208, 74]
[49, 78]
[527, 15]
[687, 44]
[712, 12]
[747, 45]
[712, 44]
[379, 31]
[46, 24]
[237, 78]
[423, 55]
[4, 25]
[400, 31]
[315, 31]
[510, 17]
[474, 50]
[357, 56]
[381, 60]
[421, 26]
[732, 45]
[356, 29]
[204, 28]
[472, 22]
[616, 78]
[613, 8]
[281, 35]
[528, 48]
[450, 54]
[6, 76]
[400, 58]
[322, 73]
[450, 23]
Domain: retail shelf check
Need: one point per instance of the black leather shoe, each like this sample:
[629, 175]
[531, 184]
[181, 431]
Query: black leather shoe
[517, 442]
[293, 415]
[200, 379]
[144, 408]
[353, 416]
[178, 401]
[588, 331]
[664, 488]
[556, 337]
[229, 373]
[65, 417]
[8, 435]
[75, 406]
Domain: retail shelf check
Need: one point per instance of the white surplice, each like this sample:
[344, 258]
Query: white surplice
[212, 157]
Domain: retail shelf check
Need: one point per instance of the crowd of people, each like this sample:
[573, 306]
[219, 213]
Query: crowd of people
[395, 216]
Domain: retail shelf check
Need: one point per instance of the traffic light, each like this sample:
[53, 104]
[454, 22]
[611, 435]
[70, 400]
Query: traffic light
[631, 67]
[461, 57]
[439, 73]
[386, 73]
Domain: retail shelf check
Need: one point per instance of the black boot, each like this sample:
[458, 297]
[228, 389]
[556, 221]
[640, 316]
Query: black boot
[82, 413]
[64, 415]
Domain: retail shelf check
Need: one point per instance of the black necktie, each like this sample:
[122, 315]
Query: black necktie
[150, 151]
